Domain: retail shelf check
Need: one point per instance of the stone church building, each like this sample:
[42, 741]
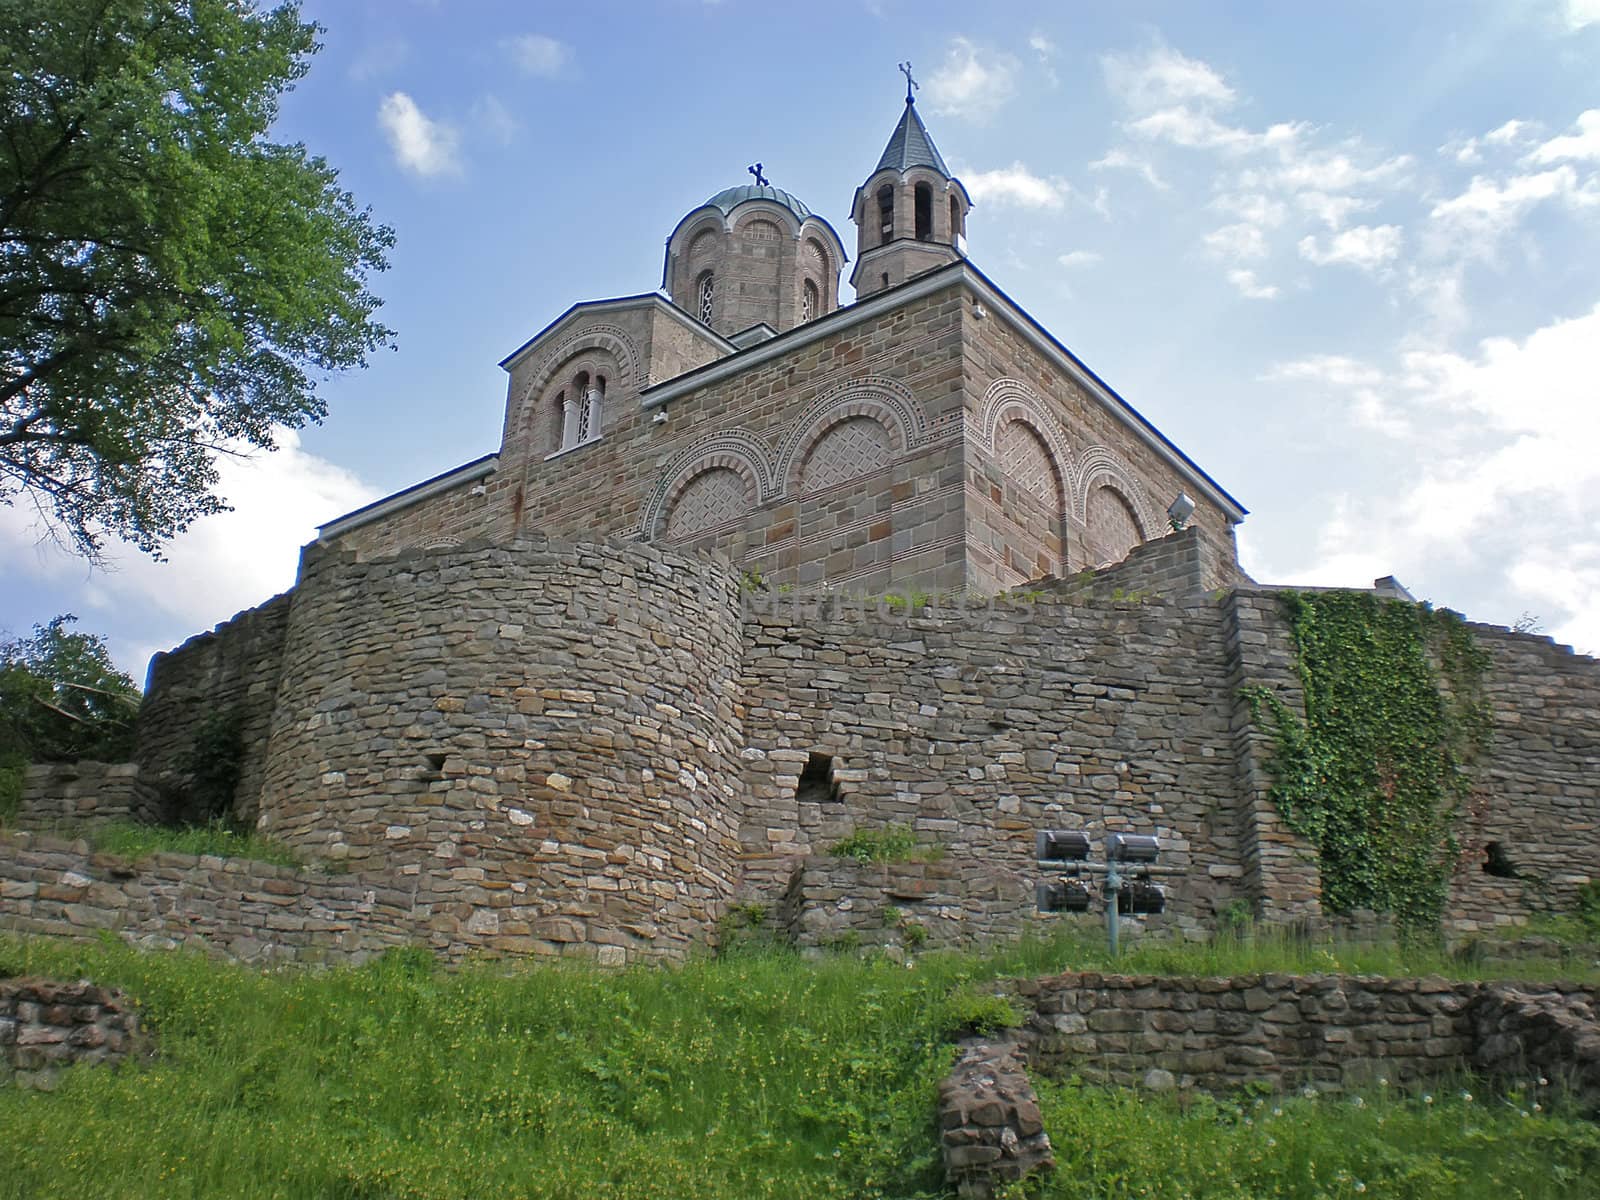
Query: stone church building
[625, 676]
[931, 435]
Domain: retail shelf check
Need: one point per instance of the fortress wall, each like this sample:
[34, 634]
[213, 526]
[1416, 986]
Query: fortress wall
[462, 514]
[543, 737]
[1538, 789]
[230, 671]
[978, 726]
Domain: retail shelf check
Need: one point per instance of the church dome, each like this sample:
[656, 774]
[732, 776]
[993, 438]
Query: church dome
[730, 198]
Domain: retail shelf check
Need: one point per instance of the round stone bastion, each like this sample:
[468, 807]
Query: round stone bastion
[541, 739]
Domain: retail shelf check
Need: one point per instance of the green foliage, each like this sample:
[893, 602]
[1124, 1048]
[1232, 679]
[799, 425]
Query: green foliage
[1455, 1145]
[1588, 907]
[61, 699]
[212, 765]
[174, 284]
[134, 841]
[763, 1076]
[1376, 771]
[886, 843]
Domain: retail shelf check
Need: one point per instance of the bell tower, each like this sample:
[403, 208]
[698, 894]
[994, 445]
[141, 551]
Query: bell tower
[911, 213]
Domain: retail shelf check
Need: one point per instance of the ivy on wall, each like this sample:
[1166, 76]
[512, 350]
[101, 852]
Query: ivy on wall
[1375, 772]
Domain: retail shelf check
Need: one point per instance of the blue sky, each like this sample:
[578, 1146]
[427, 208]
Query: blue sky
[1346, 256]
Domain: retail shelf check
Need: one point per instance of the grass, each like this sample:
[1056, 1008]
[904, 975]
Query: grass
[885, 843]
[752, 1076]
[136, 841]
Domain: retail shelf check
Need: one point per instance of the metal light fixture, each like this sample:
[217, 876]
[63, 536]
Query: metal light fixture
[1061, 845]
[1069, 895]
[1132, 848]
[1179, 512]
[1140, 897]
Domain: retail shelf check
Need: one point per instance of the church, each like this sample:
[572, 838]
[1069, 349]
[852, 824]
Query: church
[755, 578]
[930, 436]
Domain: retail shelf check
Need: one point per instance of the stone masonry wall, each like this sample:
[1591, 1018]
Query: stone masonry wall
[232, 670]
[544, 736]
[1537, 793]
[952, 902]
[56, 794]
[47, 1026]
[975, 726]
[1218, 1034]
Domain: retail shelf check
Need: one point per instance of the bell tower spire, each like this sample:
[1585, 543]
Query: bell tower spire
[911, 213]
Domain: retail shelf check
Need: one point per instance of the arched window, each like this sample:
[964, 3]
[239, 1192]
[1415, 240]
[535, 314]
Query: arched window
[592, 401]
[810, 302]
[955, 219]
[558, 422]
[706, 290]
[580, 405]
[886, 212]
[923, 195]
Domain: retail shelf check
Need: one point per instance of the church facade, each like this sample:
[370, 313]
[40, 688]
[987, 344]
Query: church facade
[929, 436]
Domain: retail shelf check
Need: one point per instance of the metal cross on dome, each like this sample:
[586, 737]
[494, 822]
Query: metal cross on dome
[761, 180]
[905, 69]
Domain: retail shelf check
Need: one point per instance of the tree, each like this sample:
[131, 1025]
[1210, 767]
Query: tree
[61, 699]
[172, 283]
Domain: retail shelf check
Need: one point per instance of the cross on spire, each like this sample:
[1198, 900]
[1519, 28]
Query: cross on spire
[905, 69]
[761, 180]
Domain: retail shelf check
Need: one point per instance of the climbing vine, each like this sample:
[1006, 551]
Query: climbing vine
[1375, 772]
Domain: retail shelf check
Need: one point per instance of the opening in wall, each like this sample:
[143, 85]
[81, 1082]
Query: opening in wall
[817, 784]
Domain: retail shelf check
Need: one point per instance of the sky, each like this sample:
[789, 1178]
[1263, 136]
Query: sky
[1346, 256]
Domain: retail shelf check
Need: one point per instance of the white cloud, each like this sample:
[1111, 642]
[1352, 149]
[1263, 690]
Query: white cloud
[1041, 45]
[1471, 223]
[1332, 211]
[1078, 258]
[1509, 133]
[220, 565]
[1120, 159]
[1232, 243]
[972, 81]
[1250, 287]
[1502, 484]
[420, 144]
[1016, 185]
[536, 54]
[1582, 145]
[1253, 207]
[1366, 247]
[1162, 77]
[1202, 131]
[1581, 13]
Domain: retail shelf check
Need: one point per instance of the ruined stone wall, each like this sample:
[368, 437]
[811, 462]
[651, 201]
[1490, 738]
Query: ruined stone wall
[953, 901]
[58, 794]
[976, 726]
[1326, 1031]
[230, 671]
[249, 911]
[47, 1026]
[545, 735]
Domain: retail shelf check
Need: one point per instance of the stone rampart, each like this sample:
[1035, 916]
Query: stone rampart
[46, 1027]
[1218, 1034]
[544, 737]
[976, 725]
[228, 674]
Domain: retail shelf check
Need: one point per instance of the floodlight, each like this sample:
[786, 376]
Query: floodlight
[1066, 896]
[1132, 848]
[1061, 845]
[1141, 897]
[1179, 511]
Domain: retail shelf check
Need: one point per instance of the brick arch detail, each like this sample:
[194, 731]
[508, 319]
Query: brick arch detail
[889, 403]
[736, 449]
[1102, 466]
[607, 338]
[1011, 401]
